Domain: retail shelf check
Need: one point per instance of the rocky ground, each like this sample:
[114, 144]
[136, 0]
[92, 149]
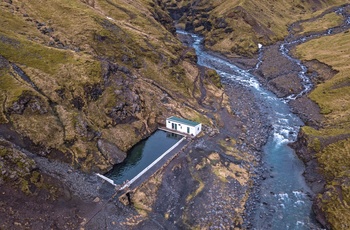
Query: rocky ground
[206, 185]
[209, 185]
[246, 125]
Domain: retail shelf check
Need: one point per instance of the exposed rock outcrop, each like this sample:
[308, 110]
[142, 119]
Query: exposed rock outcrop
[111, 152]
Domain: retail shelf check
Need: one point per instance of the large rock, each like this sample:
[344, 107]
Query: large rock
[111, 152]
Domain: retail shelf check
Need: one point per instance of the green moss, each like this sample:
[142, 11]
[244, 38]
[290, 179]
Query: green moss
[324, 132]
[214, 77]
[336, 205]
[3, 152]
[11, 89]
[34, 55]
[35, 177]
[20, 165]
[335, 158]
[315, 145]
[24, 185]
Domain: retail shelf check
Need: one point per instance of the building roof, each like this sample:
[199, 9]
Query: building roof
[183, 121]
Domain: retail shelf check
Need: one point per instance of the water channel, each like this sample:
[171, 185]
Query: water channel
[142, 155]
[284, 200]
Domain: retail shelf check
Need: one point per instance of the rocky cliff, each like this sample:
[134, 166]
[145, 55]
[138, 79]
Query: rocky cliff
[82, 82]
[81, 77]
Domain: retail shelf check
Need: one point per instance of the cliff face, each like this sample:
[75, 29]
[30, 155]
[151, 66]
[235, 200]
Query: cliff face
[79, 77]
[81, 83]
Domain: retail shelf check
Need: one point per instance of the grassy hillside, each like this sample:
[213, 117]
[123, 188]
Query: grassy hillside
[331, 142]
[82, 71]
[327, 21]
[80, 75]
[236, 27]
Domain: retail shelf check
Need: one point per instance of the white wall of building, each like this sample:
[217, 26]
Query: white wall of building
[183, 128]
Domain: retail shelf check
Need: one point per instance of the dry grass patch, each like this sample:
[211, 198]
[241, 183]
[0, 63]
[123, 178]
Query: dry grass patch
[327, 21]
[50, 134]
[333, 97]
[145, 196]
[198, 190]
[231, 150]
[226, 170]
[196, 176]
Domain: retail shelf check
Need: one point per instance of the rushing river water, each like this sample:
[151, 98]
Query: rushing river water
[284, 199]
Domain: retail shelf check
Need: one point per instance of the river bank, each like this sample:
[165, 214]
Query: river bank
[187, 192]
[306, 109]
[210, 184]
[283, 82]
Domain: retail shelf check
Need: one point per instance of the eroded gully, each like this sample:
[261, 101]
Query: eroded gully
[284, 199]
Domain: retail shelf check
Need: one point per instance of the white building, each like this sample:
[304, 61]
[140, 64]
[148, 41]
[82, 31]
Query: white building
[183, 125]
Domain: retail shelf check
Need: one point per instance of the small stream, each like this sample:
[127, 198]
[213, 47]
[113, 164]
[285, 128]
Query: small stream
[284, 197]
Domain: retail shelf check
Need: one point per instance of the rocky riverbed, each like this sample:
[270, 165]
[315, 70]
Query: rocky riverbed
[213, 184]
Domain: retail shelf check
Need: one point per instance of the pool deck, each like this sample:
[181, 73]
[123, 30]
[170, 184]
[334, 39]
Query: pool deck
[123, 191]
[158, 166]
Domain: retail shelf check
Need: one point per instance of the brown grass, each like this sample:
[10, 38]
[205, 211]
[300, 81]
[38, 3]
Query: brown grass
[333, 97]
[327, 21]
[259, 22]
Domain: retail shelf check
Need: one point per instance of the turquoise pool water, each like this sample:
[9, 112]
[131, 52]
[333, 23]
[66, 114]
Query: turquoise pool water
[142, 155]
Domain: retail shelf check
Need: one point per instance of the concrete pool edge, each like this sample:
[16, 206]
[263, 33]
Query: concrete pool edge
[163, 160]
[152, 164]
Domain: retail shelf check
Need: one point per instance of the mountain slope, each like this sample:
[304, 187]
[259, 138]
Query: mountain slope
[236, 27]
[81, 82]
[78, 72]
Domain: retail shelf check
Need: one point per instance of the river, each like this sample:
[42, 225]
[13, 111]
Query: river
[285, 201]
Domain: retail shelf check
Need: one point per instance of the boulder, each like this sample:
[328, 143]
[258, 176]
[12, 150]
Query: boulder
[111, 152]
